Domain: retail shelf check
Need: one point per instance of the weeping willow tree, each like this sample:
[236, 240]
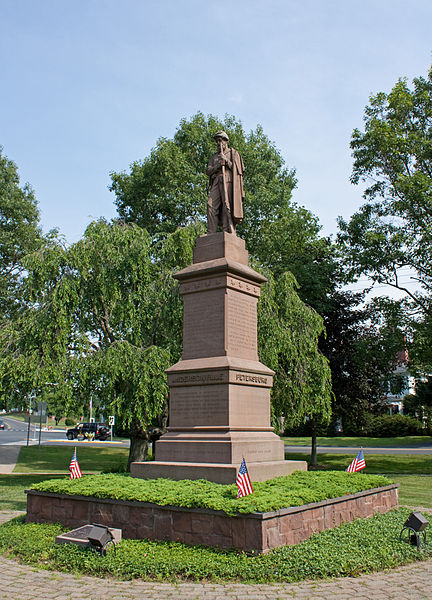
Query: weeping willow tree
[103, 320]
[288, 332]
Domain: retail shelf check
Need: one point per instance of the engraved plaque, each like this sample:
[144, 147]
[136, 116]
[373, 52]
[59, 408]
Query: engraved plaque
[243, 286]
[242, 325]
[199, 405]
[203, 329]
[201, 378]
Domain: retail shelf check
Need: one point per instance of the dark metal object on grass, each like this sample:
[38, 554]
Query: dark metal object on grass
[100, 538]
[415, 525]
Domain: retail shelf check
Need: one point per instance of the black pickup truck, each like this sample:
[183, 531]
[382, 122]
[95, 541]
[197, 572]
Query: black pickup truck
[100, 431]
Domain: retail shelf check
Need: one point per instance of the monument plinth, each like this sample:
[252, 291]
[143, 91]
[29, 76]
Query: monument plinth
[219, 391]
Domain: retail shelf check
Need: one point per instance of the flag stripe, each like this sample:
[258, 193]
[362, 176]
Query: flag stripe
[243, 481]
[357, 464]
[74, 468]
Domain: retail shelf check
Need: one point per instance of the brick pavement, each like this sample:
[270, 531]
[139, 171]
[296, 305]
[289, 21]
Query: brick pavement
[21, 582]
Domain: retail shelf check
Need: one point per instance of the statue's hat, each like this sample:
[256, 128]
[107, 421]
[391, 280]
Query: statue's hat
[221, 134]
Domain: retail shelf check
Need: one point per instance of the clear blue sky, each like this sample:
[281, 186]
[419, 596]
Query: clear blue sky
[87, 87]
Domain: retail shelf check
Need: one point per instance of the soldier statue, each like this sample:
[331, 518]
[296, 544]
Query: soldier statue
[225, 200]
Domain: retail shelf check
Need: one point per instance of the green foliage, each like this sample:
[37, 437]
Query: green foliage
[362, 344]
[103, 320]
[168, 189]
[288, 332]
[419, 405]
[393, 426]
[390, 235]
[364, 546]
[292, 490]
[19, 233]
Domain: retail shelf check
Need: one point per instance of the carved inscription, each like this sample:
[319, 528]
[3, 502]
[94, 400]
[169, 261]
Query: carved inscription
[198, 378]
[245, 377]
[203, 328]
[201, 284]
[198, 405]
[243, 286]
[242, 325]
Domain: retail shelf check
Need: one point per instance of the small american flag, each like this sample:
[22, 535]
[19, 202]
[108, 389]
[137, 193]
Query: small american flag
[74, 468]
[357, 464]
[243, 481]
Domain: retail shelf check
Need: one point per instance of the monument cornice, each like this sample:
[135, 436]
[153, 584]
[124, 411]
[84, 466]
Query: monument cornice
[219, 266]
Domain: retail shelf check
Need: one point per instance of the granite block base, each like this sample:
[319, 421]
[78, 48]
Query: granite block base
[256, 532]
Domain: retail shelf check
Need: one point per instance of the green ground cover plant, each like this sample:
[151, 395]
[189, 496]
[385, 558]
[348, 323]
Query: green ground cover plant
[364, 546]
[56, 459]
[408, 441]
[292, 490]
[410, 464]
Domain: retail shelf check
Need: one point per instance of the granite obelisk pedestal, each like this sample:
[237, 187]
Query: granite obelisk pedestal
[219, 392]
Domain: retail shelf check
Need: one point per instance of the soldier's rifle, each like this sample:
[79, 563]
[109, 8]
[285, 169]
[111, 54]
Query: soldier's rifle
[226, 197]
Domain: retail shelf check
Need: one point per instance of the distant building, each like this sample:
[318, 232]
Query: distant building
[403, 384]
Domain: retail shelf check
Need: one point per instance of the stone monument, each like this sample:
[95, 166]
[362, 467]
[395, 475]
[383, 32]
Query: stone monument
[219, 391]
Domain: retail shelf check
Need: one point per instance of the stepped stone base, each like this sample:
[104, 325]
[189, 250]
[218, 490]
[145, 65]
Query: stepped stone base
[219, 473]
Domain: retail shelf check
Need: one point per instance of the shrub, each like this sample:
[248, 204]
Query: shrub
[384, 426]
[281, 492]
[70, 422]
[394, 426]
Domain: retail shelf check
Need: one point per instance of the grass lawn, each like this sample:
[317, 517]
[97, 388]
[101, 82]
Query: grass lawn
[12, 488]
[409, 464]
[56, 459]
[363, 442]
[413, 472]
[415, 490]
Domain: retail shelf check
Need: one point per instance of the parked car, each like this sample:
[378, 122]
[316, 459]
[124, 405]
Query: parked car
[100, 431]
[2, 425]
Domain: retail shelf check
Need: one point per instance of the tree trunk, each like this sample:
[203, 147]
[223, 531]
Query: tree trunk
[313, 459]
[138, 450]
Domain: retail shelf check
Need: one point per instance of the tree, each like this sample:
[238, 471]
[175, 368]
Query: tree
[103, 319]
[362, 344]
[419, 405]
[168, 189]
[19, 232]
[288, 333]
[393, 154]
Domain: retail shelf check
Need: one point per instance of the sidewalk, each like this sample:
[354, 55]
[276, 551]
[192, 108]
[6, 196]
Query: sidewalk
[8, 458]
[21, 582]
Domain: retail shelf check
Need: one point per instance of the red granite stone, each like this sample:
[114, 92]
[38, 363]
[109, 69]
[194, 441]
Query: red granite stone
[255, 532]
[182, 522]
[162, 529]
[238, 525]
[222, 526]
[202, 524]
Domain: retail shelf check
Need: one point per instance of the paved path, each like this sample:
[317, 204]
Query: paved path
[8, 458]
[21, 582]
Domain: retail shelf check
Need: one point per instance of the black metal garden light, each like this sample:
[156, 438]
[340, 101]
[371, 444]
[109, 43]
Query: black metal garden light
[415, 525]
[100, 538]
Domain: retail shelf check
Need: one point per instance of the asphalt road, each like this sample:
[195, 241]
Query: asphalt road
[16, 435]
[345, 450]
